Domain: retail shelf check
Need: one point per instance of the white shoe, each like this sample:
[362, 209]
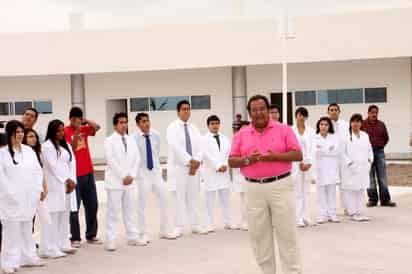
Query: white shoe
[69, 250]
[8, 271]
[110, 246]
[199, 231]
[308, 222]
[360, 218]
[334, 220]
[231, 227]
[300, 224]
[178, 232]
[210, 229]
[53, 255]
[321, 220]
[37, 263]
[244, 227]
[167, 236]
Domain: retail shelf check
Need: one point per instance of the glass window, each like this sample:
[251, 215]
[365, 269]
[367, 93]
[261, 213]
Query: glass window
[5, 108]
[305, 98]
[44, 107]
[375, 95]
[340, 96]
[166, 103]
[325, 97]
[201, 102]
[20, 107]
[139, 104]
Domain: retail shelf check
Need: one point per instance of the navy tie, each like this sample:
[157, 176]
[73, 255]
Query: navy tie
[188, 141]
[217, 140]
[149, 154]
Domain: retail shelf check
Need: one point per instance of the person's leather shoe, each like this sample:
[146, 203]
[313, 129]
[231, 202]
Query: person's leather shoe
[389, 204]
[371, 204]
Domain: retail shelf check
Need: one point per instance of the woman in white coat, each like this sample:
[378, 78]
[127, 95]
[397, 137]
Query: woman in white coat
[357, 158]
[240, 186]
[327, 154]
[302, 174]
[20, 187]
[60, 171]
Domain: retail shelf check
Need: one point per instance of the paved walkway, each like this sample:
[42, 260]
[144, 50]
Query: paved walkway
[382, 246]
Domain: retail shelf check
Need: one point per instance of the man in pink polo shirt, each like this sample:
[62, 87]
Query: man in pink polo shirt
[264, 152]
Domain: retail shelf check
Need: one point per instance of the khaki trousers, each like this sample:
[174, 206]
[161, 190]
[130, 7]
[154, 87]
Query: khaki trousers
[271, 215]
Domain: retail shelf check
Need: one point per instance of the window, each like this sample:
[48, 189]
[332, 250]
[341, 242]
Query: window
[340, 96]
[139, 104]
[43, 107]
[166, 103]
[305, 98]
[200, 102]
[375, 95]
[5, 108]
[20, 107]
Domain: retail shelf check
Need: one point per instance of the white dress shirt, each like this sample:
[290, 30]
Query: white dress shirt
[140, 139]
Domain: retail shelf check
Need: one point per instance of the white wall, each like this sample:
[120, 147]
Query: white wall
[395, 74]
[54, 88]
[216, 82]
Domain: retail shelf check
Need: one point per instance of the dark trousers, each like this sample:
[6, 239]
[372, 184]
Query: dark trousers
[378, 174]
[86, 193]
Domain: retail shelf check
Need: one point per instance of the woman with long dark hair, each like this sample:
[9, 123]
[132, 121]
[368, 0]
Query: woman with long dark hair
[327, 153]
[358, 157]
[21, 180]
[60, 171]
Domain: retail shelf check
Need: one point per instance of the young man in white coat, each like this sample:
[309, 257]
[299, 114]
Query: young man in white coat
[184, 159]
[150, 178]
[122, 158]
[215, 173]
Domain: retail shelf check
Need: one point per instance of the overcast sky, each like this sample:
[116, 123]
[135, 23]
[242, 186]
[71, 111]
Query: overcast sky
[52, 15]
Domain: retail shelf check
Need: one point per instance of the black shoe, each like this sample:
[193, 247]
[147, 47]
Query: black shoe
[389, 204]
[371, 204]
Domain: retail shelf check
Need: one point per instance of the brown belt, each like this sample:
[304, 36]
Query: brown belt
[268, 179]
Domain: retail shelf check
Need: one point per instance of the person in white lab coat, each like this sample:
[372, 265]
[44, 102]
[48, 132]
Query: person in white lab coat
[358, 157]
[123, 160]
[184, 159]
[327, 154]
[215, 173]
[302, 172]
[59, 167]
[21, 180]
[149, 177]
[341, 128]
[240, 186]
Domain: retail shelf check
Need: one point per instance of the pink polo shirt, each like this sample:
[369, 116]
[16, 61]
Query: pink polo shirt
[276, 137]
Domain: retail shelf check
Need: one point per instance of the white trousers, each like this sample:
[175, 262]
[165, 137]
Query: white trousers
[271, 214]
[224, 198]
[187, 200]
[302, 186]
[152, 182]
[243, 208]
[18, 247]
[54, 237]
[354, 200]
[120, 201]
[327, 201]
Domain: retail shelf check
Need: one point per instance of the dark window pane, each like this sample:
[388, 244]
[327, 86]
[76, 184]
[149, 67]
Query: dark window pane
[326, 97]
[349, 96]
[20, 107]
[375, 95]
[139, 104]
[166, 103]
[305, 98]
[44, 107]
[4, 109]
[201, 102]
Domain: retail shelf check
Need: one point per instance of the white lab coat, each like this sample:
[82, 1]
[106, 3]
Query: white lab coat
[213, 159]
[357, 159]
[306, 141]
[57, 169]
[20, 185]
[341, 128]
[119, 162]
[327, 155]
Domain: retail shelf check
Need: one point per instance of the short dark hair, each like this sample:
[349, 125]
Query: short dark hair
[371, 107]
[274, 106]
[334, 105]
[329, 121]
[32, 109]
[76, 112]
[212, 118]
[181, 103]
[258, 97]
[140, 116]
[302, 111]
[118, 116]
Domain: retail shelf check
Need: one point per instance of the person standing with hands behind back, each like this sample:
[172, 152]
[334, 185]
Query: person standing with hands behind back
[77, 134]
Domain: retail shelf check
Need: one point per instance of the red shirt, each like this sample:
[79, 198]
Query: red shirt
[378, 134]
[277, 137]
[84, 164]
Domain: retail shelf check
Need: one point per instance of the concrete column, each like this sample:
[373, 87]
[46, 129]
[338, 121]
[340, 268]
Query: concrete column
[239, 91]
[78, 91]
